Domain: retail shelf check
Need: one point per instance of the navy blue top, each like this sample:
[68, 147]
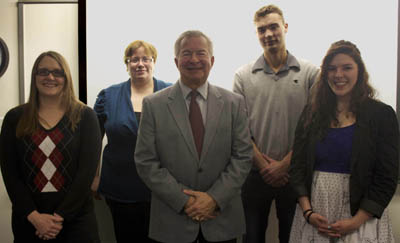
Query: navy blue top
[333, 153]
[119, 179]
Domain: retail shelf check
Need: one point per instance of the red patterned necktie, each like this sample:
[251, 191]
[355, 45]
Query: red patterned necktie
[196, 121]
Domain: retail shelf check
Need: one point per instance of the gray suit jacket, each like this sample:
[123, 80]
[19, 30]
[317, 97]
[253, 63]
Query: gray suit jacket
[167, 161]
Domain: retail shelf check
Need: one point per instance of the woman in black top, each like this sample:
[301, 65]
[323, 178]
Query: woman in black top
[345, 157]
[49, 149]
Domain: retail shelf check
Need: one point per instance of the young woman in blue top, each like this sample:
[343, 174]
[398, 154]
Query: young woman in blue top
[118, 109]
[344, 167]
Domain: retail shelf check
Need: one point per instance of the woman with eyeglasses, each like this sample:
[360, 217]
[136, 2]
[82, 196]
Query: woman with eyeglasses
[49, 151]
[118, 109]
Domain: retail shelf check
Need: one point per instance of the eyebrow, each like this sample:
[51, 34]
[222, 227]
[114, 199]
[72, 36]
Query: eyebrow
[342, 65]
[194, 51]
[42, 68]
[267, 26]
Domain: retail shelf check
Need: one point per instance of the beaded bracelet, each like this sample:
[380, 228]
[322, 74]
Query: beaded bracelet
[306, 211]
[308, 217]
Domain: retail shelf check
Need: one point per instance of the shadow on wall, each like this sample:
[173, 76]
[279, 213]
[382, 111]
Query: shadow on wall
[5, 213]
[104, 222]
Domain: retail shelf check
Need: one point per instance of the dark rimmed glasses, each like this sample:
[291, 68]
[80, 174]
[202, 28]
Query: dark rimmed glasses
[45, 72]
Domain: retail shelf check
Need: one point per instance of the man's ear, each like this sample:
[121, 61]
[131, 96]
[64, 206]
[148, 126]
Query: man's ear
[176, 61]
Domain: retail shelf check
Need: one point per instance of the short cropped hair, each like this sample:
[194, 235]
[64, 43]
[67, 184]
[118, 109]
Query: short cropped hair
[264, 11]
[132, 47]
[192, 33]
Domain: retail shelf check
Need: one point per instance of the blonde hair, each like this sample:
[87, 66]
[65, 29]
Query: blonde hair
[264, 11]
[29, 121]
[132, 47]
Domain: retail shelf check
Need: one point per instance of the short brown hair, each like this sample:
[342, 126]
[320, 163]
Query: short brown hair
[264, 11]
[132, 47]
[192, 33]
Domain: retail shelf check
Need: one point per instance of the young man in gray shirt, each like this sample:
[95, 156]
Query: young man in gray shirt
[276, 87]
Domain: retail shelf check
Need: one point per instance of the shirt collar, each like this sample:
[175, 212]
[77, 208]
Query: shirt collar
[261, 64]
[202, 90]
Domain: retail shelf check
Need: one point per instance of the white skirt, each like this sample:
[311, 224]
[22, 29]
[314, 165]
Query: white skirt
[330, 197]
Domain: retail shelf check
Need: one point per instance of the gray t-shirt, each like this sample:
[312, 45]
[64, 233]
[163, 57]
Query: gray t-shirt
[274, 101]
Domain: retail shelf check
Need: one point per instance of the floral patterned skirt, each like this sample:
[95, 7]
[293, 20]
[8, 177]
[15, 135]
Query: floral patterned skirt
[330, 197]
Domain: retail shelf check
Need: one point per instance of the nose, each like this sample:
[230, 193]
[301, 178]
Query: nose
[51, 76]
[339, 73]
[194, 58]
[268, 32]
[140, 62]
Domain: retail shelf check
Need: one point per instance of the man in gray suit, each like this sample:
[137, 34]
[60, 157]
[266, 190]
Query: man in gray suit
[194, 153]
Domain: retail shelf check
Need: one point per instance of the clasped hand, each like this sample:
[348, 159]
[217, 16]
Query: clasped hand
[47, 226]
[274, 172]
[200, 206]
[337, 229]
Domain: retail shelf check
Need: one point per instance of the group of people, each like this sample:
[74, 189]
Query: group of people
[192, 162]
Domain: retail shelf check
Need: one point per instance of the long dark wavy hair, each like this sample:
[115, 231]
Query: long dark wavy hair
[323, 104]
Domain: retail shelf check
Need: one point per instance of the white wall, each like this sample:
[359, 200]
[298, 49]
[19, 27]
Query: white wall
[8, 32]
[313, 26]
[50, 27]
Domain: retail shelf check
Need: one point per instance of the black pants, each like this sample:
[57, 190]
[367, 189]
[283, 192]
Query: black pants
[131, 221]
[200, 239]
[257, 198]
[83, 228]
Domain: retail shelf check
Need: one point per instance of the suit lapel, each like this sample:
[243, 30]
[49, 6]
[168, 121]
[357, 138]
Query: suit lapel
[177, 107]
[214, 110]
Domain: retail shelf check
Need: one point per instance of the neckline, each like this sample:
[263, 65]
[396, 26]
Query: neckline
[52, 128]
[349, 126]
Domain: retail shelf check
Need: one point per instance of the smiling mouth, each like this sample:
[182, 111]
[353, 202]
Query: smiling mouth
[340, 84]
[50, 85]
[271, 42]
[142, 71]
[194, 68]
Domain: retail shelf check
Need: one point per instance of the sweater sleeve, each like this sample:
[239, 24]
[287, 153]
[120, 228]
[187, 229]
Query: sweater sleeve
[99, 108]
[18, 191]
[298, 164]
[89, 155]
[385, 172]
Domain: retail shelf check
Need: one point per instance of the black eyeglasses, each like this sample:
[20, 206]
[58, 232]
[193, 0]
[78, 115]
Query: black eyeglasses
[45, 72]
